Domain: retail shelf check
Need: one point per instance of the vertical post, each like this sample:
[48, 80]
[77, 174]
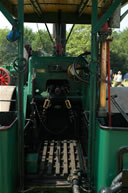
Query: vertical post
[20, 92]
[59, 34]
[63, 37]
[92, 109]
[103, 77]
[109, 84]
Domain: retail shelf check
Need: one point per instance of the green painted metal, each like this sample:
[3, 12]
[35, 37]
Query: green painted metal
[7, 14]
[45, 69]
[92, 109]
[32, 163]
[101, 166]
[11, 72]
[20, 92]
[9, 67]
[8, 153]
[93, 141]
[106, 16]
[108, 144]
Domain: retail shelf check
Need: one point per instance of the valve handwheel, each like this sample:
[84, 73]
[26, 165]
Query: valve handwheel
[79, 70]
[4, 77]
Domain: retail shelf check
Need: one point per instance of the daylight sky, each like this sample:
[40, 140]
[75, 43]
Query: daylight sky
[5, 24]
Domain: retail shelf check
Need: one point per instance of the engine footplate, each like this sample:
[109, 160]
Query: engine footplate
[60, 158]
[57, 161]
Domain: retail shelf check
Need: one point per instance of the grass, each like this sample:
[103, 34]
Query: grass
[125, 83]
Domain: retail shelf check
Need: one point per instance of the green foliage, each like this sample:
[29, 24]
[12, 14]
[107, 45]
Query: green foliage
[42, 41]
[119, 51]
[80, 40]
[8, 49]
[38, 40]
[29, 36]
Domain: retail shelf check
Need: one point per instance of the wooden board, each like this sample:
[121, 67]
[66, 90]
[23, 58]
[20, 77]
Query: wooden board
[50, 10]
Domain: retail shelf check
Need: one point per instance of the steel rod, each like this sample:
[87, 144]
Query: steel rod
[109, 86]
[70, 33]
[92, 103]
[20, 93]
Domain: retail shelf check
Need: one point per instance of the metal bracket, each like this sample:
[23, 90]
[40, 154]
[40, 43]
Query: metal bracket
[106, 16]
[7, 14]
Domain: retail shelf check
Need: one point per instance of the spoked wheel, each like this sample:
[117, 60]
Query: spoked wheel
[79, 70]
[4, 77]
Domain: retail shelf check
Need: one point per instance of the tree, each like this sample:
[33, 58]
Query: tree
[8, 50]
[42, 42]
[80, 40]
[119, 51]
[29, 36]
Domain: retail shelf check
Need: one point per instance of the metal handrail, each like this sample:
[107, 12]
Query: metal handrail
[3, 128]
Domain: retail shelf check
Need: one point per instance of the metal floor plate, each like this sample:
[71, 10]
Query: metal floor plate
[60, 158]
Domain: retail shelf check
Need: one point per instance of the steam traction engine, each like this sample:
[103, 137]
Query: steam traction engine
[59, 130]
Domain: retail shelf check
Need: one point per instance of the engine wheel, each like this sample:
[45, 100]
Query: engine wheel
[5, 77]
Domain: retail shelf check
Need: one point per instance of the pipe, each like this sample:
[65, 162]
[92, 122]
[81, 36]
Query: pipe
[70, 33]
[109, 89]
[120, 155]
[114, 189]
[117, 179]
[123, 15]
[116, 185]
[75, 186]
[21, 95]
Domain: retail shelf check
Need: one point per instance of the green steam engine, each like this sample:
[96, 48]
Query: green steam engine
[63, 129]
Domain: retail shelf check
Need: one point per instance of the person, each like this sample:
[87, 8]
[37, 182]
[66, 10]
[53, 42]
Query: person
[118, 79]
[126, 77]
[114, 80]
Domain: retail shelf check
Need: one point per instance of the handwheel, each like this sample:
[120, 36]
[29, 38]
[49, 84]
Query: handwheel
[80, 68]
[5, 78]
